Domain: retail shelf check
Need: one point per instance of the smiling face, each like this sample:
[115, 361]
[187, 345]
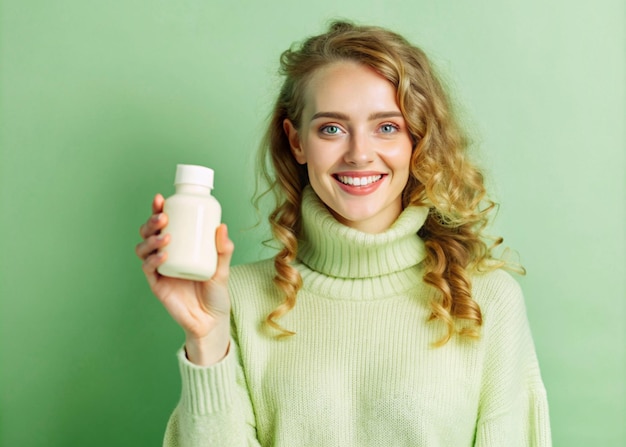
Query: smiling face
[355, 143]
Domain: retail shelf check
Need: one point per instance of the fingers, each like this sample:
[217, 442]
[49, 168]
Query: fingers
[225, 249]
[154, 225]
[157, 204]
[150, 265]
[151, 245]
[150, 231]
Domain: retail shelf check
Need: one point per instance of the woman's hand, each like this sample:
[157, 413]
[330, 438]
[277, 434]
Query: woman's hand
[201, 308]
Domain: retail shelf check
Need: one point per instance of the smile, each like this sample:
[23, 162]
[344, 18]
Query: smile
[358, 181]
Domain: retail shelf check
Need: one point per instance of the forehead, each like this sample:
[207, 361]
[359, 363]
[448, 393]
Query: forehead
[348, 86]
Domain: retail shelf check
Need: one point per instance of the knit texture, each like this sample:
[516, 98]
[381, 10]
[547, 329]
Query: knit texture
[361, 369]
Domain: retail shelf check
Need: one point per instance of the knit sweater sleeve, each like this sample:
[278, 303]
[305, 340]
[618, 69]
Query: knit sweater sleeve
[513, 410]
[214, 408]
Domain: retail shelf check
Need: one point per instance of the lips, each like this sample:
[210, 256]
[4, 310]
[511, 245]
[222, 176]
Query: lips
[359, 183]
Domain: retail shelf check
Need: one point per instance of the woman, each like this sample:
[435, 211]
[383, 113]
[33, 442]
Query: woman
[384, 320]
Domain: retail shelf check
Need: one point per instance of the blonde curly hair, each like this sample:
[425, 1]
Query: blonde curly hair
[441, 176]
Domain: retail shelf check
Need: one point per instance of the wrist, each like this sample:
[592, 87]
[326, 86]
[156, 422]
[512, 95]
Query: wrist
[210, 349]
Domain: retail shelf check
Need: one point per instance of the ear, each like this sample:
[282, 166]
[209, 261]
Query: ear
[294, 141]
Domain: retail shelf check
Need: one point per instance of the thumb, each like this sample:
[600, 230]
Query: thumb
[225, 249]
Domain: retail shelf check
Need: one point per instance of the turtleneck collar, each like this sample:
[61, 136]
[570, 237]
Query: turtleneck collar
[338, 251]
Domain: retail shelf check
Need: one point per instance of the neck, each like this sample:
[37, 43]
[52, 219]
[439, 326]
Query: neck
[334, 249]
[370, 226]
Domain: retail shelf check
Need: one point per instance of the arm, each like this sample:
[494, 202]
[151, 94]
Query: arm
[215, 408]
[513, 409]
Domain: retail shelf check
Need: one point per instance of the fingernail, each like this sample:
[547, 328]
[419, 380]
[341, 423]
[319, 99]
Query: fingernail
[156, 217]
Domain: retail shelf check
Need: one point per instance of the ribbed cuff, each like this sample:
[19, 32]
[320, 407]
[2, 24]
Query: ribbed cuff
[207, 390]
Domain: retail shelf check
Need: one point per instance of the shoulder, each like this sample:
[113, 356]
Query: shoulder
[497, 292]
[251, 275]
[253, 294]
[253, 283]
[495, 283]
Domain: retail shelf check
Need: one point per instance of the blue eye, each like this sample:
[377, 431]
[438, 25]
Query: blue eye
[330, 130]
[388, 128]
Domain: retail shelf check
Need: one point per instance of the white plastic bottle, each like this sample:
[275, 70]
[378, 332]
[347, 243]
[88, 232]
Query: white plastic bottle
[193, 216]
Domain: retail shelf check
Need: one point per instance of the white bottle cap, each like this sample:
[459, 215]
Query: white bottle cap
[194, 175]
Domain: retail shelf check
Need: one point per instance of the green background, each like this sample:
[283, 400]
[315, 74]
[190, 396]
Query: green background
[99, 101]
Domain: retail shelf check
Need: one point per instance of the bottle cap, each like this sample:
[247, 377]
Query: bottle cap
[194, 175]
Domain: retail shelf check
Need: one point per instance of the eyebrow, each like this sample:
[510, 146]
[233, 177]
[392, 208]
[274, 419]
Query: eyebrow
[373, 116]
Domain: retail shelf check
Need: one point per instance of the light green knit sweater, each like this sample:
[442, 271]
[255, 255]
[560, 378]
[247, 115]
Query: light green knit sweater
[361, 370]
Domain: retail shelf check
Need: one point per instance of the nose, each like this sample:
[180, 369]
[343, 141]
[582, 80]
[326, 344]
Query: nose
[359, 151]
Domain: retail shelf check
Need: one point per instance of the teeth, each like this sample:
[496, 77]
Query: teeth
[359, 181]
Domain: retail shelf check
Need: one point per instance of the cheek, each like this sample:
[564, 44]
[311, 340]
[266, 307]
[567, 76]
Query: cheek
[318, 174]
[400, 160]
[319, 158]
